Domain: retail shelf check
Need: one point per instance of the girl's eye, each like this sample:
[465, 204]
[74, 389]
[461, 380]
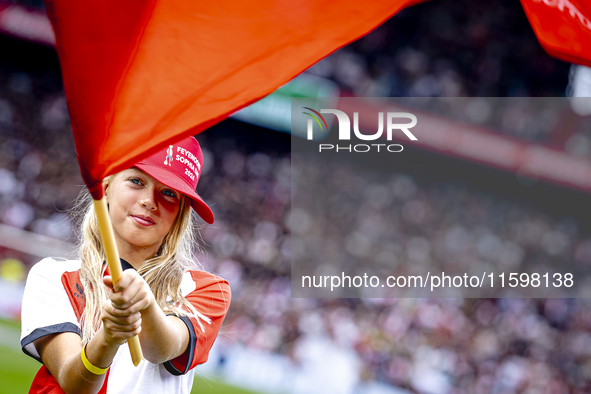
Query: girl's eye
[136, 181]
[169, 193]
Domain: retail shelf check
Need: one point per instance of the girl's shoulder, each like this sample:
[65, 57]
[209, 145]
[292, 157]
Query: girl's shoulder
[52, 268]
[205, 276]
[197, 279]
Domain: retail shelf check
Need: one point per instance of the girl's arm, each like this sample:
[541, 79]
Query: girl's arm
[61, 353]
[162, 337]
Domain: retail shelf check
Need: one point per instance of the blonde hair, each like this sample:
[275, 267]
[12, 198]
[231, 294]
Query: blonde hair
[163, 272]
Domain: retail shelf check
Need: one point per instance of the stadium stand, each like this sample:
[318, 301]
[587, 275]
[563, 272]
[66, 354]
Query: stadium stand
[440, 48]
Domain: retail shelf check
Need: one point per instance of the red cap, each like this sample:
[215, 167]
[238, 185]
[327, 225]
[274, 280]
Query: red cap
[179, 167]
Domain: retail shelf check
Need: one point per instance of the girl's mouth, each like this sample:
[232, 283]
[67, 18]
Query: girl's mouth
[143, 220]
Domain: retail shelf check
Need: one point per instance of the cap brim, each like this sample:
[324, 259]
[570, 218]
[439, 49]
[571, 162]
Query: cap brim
[166, 178]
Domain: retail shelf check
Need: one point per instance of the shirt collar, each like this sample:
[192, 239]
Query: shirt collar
[124, 266]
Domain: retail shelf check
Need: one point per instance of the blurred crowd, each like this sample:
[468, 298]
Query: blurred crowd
[446, 48]
[449, 48]
[39, 178]
[443, 345]
[441, 48]
[390, 223]
[422, 345]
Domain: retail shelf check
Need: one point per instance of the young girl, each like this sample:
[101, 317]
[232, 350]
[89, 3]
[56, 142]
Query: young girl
[77, 324]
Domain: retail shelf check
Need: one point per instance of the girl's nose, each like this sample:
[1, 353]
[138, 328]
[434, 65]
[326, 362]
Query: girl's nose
[148, 199]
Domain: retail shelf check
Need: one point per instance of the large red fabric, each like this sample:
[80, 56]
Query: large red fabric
[140, 74]
[563, 27]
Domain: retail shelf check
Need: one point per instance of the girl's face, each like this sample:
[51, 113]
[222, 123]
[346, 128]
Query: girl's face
[142, 210]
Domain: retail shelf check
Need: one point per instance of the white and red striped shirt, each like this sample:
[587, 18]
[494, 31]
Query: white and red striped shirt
[52, 304]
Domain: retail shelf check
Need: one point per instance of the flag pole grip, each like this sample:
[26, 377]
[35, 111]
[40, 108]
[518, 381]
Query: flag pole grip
[106, 229]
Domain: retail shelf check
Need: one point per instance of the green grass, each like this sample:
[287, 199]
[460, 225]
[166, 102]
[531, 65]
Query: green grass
[10, 324]
[218, 387]
[17, 370]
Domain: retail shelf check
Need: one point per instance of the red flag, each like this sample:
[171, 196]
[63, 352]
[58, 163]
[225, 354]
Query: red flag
[141, 74]
[563, 28]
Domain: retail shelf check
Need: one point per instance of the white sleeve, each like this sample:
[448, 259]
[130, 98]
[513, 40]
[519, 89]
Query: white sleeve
[46, 307]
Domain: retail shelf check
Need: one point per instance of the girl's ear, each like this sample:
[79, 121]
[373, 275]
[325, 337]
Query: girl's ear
[105, 186]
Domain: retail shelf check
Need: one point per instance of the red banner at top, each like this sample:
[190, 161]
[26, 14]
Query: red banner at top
[141, 74]
[563, 28]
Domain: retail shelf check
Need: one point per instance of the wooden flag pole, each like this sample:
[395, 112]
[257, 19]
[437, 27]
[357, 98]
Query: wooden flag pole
[106, 229]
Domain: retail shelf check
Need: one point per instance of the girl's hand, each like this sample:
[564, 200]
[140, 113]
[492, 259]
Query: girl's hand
[121, 314]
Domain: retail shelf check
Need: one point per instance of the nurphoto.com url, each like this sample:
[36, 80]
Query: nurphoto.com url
[433, 282]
